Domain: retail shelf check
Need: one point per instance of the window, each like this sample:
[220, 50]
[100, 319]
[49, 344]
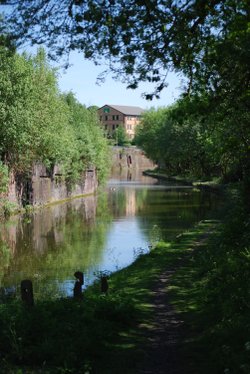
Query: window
[117, 117]
[106, 118]
[117, 125]
[113, 118]
[113, 127]
[106, 110]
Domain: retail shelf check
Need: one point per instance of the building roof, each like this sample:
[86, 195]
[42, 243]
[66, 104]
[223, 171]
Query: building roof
[127, 110]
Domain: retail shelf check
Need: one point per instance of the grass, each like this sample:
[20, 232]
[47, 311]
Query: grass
[212, 294]
[101, 334]
[213, 182]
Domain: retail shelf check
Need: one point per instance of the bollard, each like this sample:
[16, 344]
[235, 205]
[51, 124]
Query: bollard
[104, 284]
[77, 290]
[79, 275]
[27, 292]
[78, 285]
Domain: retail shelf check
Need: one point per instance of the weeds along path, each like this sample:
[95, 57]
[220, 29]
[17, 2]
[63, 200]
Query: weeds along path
[167, 333]
[153, 340]
[163, 337]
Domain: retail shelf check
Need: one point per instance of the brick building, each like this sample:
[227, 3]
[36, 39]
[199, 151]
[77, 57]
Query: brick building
[113, 116]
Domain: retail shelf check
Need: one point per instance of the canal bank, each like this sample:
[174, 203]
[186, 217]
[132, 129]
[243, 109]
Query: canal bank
[108, 334]
[43, 186]
[101, 232]
[173, 310]
[196, 284]
[195, 182]
[160, 315]
[130, 158]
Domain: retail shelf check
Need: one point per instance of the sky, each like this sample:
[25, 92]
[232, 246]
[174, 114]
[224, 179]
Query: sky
[80, 78]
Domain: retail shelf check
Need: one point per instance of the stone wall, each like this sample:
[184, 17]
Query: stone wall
[130, 158]
[44, 186]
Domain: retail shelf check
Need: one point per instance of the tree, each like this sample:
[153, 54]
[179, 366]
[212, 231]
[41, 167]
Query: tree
[34, 118]
[90, 143]
[39, 124]
[147, 134]
[205, 41]
[176, 139]
[141, 39]
[120, 136]
[93, 108]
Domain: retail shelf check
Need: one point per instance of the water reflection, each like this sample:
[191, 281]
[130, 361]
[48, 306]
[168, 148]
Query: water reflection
[95, 234]
[51, 244]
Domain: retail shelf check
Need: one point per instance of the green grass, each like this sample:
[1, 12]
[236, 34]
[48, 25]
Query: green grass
[100, 334]
[186, 179]
[212, 294]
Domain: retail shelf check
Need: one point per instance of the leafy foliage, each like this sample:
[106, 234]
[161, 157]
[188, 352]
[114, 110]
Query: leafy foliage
[4, 178]
[39, 124]
[120, 136]
[64, 334]
[207, 43]
[142, 40]
[89, 143]
[197, 137]
[177, 141]
[212, 293]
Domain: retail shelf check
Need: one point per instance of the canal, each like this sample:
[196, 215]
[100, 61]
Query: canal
[95, 234]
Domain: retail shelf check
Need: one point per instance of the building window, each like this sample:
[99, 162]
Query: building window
[106, 118]
[117, 117]
[113, 117]
[113, 127]
[117, 125]
[106, 110]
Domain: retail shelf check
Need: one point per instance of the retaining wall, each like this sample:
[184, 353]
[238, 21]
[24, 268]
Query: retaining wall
[44, 186]
[130, 158]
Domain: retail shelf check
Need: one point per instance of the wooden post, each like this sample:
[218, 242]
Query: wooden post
[104, 284]
[27, 292]
[79, 275]
[77, 290]
[78, 285]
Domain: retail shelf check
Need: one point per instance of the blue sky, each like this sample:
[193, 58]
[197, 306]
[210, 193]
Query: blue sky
[80, 78]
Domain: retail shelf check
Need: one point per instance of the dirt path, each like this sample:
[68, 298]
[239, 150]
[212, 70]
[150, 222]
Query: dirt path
[163, 339]
[167, 335]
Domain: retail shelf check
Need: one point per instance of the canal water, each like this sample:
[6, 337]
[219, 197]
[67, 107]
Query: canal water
[95, 234]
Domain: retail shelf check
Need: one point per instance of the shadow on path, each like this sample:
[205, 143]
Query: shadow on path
[163, 337]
